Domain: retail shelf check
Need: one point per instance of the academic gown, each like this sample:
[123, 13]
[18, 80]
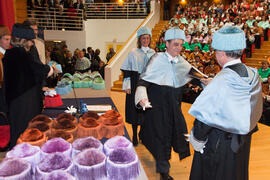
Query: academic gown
[164, 125]
[132, 68]
[226, 153]
[23, 78]
[3, 108]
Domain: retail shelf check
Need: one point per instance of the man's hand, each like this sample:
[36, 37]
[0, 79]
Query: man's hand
[206, 81]
[145, 104]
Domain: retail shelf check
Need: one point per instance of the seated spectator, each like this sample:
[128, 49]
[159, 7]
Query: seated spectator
[207, 46]
[208, 37]
[264, 71]
[102, 68]
[110, 55]
[239, 23]
[264, 23]
[161, 45]
[76, 55]
[209, 54]
[185, 53]
[84, 51]
[195, 53]
[188, 37]
[249, 41]
[47, 56]
[197, 37]
[266, 88]
[258, 32]
[82, 64]
[197, 62]
[90, 53]
[95, 66]
[174, 21]
[266, 103]
[58, 56]
[79, 4]
[250, 21]
[187, 41]
[96, 56]
[194, 44]
[212, 69]
[70, 63]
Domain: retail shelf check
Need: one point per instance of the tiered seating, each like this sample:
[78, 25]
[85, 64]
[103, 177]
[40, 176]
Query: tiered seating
[259, 55]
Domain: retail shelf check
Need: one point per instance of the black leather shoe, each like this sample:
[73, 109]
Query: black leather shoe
[135, 141]
[165, 176]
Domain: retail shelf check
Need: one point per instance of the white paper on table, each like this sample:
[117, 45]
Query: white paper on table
[99, 108]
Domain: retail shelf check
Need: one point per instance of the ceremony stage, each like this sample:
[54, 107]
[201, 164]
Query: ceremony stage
[259, 159]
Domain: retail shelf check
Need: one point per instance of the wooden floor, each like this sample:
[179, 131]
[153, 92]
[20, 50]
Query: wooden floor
[259, 158]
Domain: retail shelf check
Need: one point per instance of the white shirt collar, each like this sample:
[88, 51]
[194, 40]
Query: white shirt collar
[171, 59]
[2, 50]
[145, 49]
[236, 61]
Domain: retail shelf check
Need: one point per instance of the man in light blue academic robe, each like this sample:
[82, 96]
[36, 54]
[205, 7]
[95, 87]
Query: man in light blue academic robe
[159, 92]
[226, 112]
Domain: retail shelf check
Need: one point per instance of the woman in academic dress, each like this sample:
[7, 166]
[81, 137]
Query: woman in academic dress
[132, 68]
[23, 78]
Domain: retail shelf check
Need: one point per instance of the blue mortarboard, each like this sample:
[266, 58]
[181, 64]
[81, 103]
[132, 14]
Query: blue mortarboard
[229, 38]
[143, 31]
[22, 31]
[174, 33]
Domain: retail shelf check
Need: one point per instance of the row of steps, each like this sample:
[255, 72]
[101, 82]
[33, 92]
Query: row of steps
[259, 55]
[156, 32]
[117, 85]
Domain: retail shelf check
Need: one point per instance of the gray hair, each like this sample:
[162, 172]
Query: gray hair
[235, 54]
[18, 42]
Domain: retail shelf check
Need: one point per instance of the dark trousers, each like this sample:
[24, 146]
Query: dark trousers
[166, 14]
[257, 41]
[265, 34]
[162, 166]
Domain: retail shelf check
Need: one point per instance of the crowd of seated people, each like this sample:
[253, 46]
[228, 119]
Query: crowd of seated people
[80, 61]
[34, 4]
[69, 8]
[199, 21]
[62, 13]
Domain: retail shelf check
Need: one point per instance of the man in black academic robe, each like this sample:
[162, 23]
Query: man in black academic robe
[159, 92]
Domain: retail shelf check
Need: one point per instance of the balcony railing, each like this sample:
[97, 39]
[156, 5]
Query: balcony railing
[57, 19]
[116, 10]
[72, 19]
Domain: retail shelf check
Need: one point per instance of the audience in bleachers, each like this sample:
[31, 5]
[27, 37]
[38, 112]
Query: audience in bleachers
[199, 21]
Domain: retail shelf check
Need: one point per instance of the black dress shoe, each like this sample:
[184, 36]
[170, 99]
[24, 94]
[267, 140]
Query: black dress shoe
[165, 176]
[135, 141]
